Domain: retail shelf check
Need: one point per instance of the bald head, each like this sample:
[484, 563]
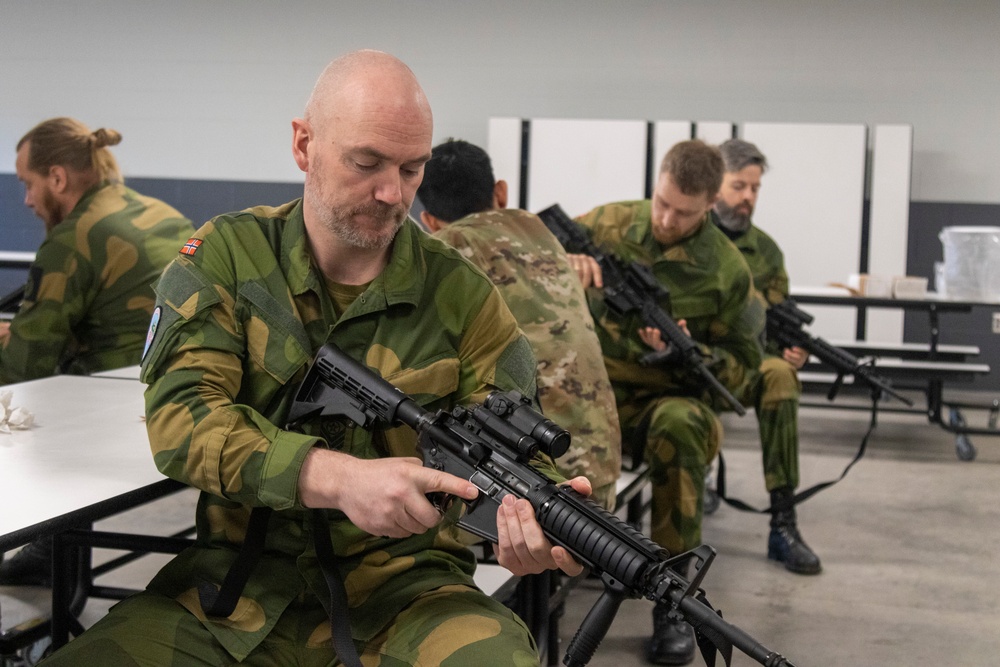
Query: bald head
[366, 81]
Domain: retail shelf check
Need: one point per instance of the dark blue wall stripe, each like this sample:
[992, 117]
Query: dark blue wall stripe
[200, 200]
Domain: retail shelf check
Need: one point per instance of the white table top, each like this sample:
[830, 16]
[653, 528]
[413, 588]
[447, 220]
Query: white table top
[126, 373]
[16, 258]
[88, 446]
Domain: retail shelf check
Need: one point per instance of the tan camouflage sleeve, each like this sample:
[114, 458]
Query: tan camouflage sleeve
[58, 294]
[199, 431]
[499, 356]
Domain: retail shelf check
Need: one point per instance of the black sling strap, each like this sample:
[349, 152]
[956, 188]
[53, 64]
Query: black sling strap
[808, 493]
[340, 627]
[222, 602]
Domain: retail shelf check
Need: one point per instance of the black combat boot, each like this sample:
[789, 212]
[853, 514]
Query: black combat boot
[672, 642]
[31, 566]
[784, 544]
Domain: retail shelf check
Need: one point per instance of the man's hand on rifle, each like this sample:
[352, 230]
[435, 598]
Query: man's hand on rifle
[523, 548]
[388, 497]
[4, 332]
[587, 270]
[385, 496]
[651, 336]
[796, 356]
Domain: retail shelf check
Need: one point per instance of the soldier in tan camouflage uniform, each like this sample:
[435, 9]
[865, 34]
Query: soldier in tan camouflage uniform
[775, 395]
[89, 293]
[466, 208]
[711, 296]
[239, 315]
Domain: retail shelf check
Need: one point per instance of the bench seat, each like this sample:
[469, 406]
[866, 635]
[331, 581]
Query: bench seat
[903, 370]
[909, 351]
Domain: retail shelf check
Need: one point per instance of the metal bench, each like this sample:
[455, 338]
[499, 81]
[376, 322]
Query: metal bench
[926, 376]
[909, 351]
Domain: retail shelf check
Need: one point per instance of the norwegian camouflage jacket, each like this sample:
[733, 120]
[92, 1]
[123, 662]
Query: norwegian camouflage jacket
[89, 293]
[709, 286]
[239, 315]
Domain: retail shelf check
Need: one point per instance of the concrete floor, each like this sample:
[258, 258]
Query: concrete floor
[908, 542]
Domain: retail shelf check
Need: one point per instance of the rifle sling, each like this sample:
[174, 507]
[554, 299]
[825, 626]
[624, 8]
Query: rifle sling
[340, 632]
[802, 496]
[222, 602]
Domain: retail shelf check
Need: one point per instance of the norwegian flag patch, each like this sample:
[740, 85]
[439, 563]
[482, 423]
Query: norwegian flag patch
[191, 247]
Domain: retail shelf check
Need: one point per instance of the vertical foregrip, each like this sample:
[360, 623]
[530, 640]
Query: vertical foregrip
[593, 629]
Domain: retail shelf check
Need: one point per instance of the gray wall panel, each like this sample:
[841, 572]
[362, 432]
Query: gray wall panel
[206, 90]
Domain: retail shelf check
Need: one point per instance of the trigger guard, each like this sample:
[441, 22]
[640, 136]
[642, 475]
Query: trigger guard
[441, 501]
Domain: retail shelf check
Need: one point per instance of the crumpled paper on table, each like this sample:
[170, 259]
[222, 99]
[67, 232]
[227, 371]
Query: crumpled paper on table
[12, 419]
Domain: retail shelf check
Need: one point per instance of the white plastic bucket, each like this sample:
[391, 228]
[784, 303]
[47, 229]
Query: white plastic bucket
[972, 262]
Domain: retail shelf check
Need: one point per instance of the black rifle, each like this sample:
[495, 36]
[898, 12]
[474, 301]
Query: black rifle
[785, 323]
[9, 303]
[491, 446]
[632, 287]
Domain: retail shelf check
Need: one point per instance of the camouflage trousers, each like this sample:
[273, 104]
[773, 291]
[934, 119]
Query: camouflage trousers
[682, 436]
[453, 625]
[776, 401]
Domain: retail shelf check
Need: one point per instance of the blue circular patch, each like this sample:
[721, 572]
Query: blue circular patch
[151, 333]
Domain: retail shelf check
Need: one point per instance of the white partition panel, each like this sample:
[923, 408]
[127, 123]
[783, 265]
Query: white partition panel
[666, 133]
[811, 203]
[889, 220]
[580, 164]
[504, 148]
[713, 131]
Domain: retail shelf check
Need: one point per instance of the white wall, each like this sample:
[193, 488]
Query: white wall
[206, 89]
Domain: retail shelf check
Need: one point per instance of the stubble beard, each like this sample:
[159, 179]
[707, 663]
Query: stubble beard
[48, 210]
[340, 220]
[389, 218]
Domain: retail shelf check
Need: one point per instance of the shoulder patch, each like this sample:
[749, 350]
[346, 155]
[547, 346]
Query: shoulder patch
[516, 368]
[191, 247]
[151, 333]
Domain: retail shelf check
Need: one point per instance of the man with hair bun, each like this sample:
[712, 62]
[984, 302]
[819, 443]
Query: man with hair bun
[663, 409]
[89, 296]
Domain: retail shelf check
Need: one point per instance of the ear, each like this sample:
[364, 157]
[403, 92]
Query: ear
[500, 194]
[58, 179]
[430, 222]
[301, 138]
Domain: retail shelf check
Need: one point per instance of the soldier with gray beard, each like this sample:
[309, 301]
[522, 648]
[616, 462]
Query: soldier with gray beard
[775, 394]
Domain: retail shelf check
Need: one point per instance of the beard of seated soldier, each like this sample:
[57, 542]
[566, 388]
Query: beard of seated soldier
[734, 218]
[368, 226]
[47, 209]
[387, 219]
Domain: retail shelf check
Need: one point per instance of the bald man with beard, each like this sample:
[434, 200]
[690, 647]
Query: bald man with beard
[239, 315]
